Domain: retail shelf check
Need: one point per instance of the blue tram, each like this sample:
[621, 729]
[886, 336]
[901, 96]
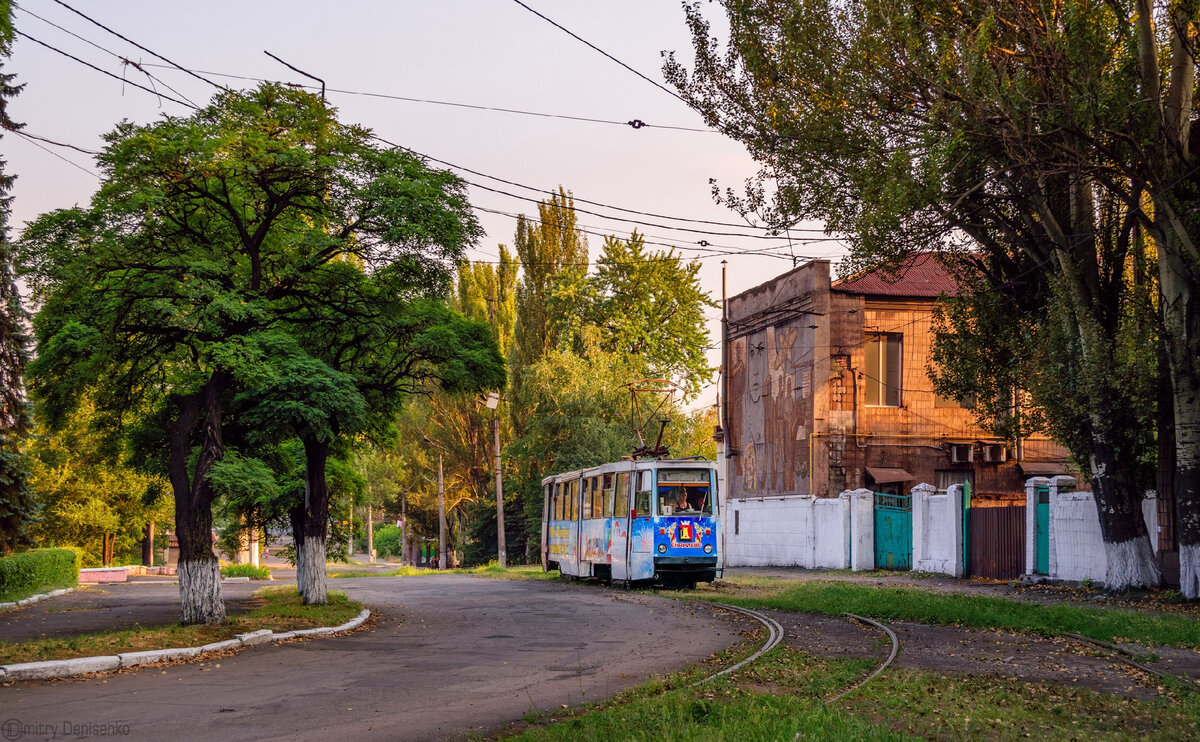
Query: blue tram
[633, 521]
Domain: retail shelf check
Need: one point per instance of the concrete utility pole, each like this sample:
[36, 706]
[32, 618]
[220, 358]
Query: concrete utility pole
[403, 527]
[493, 404]
[442, 563]
[370, 534]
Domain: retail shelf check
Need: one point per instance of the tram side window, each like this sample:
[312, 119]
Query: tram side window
[597, 498]
[621, 505]
[609, 481]
[587, 499]
[645, 493]
[575, 500]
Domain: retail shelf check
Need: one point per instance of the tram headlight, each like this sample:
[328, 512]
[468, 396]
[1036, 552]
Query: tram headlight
[708, 548]
[662, 548]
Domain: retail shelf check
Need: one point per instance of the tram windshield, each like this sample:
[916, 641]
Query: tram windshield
[685, 492]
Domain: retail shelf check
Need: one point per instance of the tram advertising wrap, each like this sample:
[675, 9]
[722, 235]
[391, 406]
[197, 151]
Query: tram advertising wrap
[634, 521]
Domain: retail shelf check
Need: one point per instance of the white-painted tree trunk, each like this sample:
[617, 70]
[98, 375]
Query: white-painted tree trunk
[313, 589]
[1131, 564]
[200, 592]
[1189, 570]
[300, 568]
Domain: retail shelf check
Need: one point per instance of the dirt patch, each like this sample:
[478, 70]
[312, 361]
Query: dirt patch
[951, 649]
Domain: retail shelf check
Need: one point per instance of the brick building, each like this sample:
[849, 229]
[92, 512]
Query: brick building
[828, 391]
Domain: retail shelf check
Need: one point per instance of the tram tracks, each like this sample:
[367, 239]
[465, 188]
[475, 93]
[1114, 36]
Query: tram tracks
[775, 636]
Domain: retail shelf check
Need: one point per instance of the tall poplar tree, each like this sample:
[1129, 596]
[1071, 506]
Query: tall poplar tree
[16, 504]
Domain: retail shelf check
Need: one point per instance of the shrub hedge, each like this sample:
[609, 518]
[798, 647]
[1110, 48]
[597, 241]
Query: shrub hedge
[246, 570]
[37, 571]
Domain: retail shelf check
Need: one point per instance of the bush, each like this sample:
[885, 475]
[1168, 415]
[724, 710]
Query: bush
[387, 541]
[37, 571]
[246, 570]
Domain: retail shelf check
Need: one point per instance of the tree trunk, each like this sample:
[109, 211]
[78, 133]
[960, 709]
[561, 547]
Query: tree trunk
[1181, 321]
[148, 546]
[313, 589]
[199, 571]
[296, 515]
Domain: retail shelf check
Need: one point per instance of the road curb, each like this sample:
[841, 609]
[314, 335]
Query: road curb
[55, 669]
[36, 598]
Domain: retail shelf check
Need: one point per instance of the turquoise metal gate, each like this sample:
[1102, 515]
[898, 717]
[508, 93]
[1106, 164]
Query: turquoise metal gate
[893, 531]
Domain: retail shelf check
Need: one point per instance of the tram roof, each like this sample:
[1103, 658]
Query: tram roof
[629, 465]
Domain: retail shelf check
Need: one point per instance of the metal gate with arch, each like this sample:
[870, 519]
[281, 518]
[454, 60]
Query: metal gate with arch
[893, 531]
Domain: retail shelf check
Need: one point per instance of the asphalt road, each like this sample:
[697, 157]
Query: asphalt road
[449, 656]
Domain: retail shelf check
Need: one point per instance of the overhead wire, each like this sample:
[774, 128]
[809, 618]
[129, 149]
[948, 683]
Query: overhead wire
[88, 18]
[52, 48]
[128, 62]
[589, 44]
[33, 140]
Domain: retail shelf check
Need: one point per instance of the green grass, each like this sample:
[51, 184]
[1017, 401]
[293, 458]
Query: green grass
[912, 604]
[492, 569]
[279, 609]
[246, 570]
[780, 697]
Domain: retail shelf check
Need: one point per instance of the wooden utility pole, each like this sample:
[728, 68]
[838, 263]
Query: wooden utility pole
[500, 545]
[441, 517]
[370, 534]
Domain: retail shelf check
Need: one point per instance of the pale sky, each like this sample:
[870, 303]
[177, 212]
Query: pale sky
[491, 53]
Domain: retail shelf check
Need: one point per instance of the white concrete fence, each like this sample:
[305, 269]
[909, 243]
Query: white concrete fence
[839, 532]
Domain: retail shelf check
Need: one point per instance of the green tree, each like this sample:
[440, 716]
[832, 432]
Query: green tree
[90, 497]
[17, 509]
[207, 234]
[647, 306]
[1038, 134]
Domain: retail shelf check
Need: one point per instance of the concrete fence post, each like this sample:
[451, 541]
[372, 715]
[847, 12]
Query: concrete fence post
[954, 497]
[862, 530]
[922, 529]
[1060, 484]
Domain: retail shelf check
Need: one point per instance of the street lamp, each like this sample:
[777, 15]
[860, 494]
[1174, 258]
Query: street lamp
[441, 509]
[493, 403]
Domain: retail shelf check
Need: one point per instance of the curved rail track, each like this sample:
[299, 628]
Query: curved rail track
[895, 650]
[774, 636]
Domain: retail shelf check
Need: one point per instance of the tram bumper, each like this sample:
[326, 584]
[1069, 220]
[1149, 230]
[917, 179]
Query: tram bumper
[699, 568]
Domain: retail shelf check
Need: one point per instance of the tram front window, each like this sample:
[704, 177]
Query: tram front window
[684, 492]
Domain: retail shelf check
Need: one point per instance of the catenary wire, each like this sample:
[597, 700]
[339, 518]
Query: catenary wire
[137, 65]
[88, 18]
[33, 140]
[575, 36]
[24, 35]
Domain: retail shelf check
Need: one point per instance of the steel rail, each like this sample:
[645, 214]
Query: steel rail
[895, 650]
[775, 635]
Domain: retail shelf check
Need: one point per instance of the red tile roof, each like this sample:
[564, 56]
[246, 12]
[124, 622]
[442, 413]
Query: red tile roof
[920, 275]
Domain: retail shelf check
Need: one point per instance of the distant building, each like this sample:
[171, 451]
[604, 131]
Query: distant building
[828, 391]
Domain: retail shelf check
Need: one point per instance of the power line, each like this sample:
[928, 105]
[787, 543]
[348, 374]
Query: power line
[128, 62]
[575, 36]
[634, 123]
[702, 243]
[148, 51]
[33, 140]
[714, 251]
[22, 34]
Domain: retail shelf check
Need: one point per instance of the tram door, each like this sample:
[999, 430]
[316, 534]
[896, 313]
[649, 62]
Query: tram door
[641, 529]
[619, 544]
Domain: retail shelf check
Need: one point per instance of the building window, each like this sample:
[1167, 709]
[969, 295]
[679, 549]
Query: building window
[883, 369]
[944, 478]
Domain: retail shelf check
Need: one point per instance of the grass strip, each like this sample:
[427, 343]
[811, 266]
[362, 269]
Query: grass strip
[780, 698]
[978, 611]
[280, 610]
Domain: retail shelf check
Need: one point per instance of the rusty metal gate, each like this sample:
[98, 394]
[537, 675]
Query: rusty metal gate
[893, 531]
[998, 541]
